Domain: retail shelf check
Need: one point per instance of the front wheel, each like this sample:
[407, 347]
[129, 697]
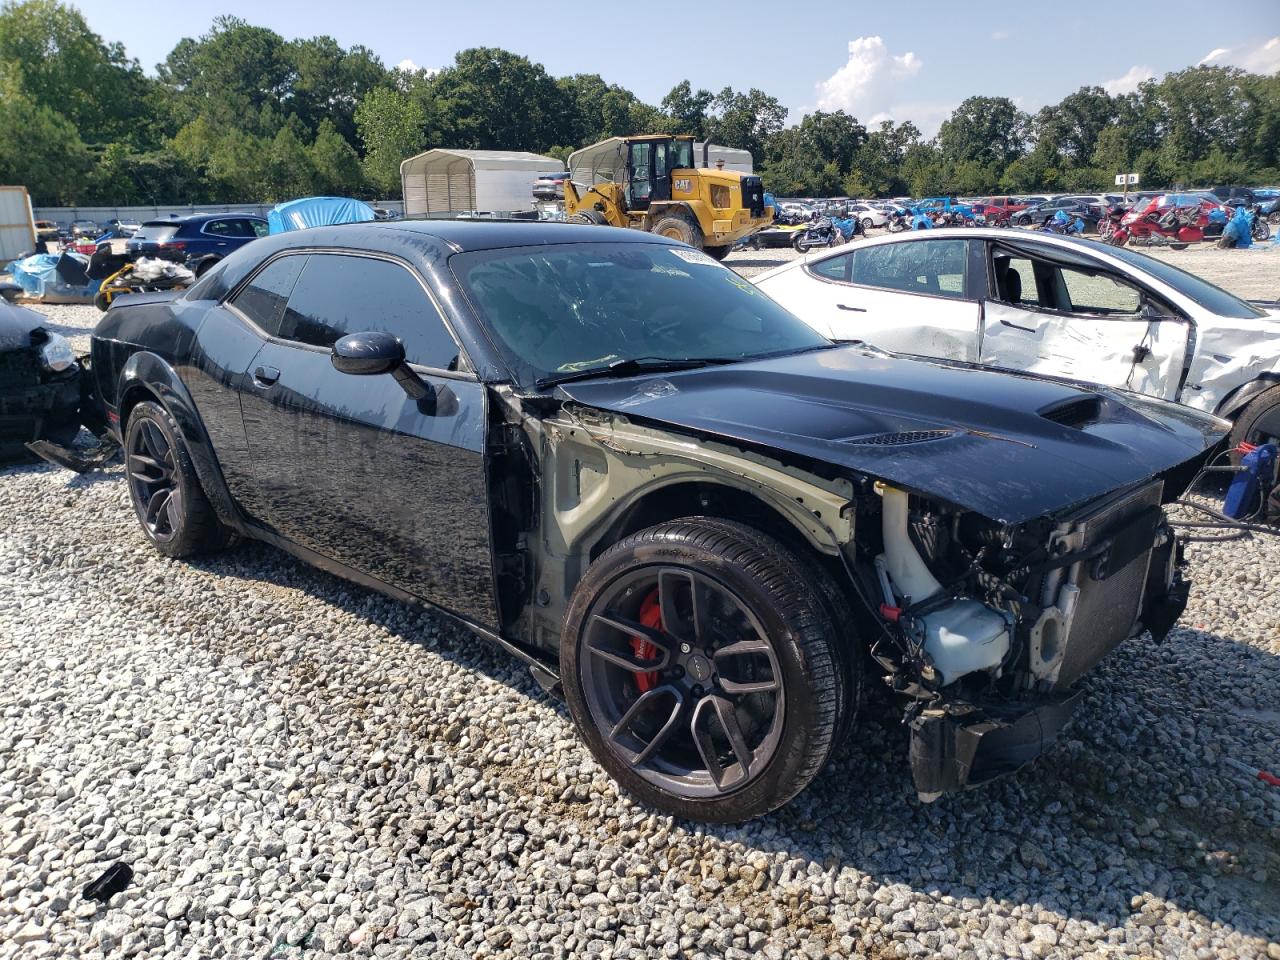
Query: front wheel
[717, 253]
[799, 245]
[1261, 231]
[867, 223]
[702, 665]
[1259, 421]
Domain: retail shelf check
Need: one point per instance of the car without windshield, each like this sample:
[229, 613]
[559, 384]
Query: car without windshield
[704, 523]
[1049, 305]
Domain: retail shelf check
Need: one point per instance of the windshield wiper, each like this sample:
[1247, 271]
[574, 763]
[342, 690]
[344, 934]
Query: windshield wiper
[633, 366]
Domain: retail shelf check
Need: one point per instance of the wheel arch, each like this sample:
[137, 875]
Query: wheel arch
[1241, 396]
[148, 376]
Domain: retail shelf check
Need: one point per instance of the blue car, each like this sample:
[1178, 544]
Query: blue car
[199, 240]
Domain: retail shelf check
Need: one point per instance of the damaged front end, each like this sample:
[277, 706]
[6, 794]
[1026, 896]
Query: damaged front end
[1010, 619]
[88, 413]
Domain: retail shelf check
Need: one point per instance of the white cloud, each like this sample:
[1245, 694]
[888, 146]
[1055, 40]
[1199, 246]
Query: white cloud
[1262, 57]
[1129, 82]
[926, 115]
[869, 81]
[408, 66]
[1000, 35]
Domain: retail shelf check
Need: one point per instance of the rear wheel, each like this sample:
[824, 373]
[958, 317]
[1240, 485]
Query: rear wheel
[867, 223]
[166, 493]
[701, 664]
[1261, 231]
[594, 217]
[678, 228]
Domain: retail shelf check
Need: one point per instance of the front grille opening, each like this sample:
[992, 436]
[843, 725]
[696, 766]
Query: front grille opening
[1073, 412]
[898, 438]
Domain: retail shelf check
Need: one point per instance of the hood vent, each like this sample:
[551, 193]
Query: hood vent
[898, 438]
[1074, 411]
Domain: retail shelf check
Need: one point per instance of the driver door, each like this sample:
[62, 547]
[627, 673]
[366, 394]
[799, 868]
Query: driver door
[639, 176]
[1080, 323]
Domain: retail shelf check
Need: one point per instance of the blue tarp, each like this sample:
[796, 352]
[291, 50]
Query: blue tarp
[37, 275]
[1239, 230]
[317, 212]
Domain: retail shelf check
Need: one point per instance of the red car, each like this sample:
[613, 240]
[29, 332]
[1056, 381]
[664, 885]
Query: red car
[1000, 209]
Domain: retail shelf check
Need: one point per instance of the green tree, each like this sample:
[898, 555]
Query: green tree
[335, 164]
[288, 173]
[391, 125]
[328, 83]
[689, 110]
[491, 99]
[745, 120]
[38, 147]
[990, 131]
[62, 65]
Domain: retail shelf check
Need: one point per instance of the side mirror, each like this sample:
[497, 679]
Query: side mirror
[374, 352]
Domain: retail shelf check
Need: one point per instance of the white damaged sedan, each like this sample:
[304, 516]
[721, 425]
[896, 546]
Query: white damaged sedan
[1051, 305]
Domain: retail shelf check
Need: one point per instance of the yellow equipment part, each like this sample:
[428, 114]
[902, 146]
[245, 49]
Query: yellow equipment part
[708, 209]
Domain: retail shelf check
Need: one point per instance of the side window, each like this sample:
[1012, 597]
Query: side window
[1016, 281]
[333, 298]
[833, 268]
[240, 228]
[263, 298]
[1080, 292]
[258, 228]
[934, 267]
[220, 228]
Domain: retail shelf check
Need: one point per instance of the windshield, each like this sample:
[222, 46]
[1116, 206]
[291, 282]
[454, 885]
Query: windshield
[156, 232]
[563, 308]
[681, 154]
[1214, 299]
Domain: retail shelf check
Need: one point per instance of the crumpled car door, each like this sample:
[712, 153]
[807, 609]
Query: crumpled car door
[1101, 337]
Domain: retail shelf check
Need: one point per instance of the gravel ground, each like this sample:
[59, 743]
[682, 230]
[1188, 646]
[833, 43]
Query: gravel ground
[296, 767]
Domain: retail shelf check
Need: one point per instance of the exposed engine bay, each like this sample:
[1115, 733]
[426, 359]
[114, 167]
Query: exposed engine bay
[985, 628]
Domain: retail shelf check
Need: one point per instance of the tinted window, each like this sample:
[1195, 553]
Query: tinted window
[157, 232]
[561, 308]
[262, 300]
[255, 228]
[338, 294]
[833, 268]
[921, 266]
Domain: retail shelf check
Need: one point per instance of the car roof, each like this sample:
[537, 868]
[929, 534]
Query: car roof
[467, 235]
[199, 218]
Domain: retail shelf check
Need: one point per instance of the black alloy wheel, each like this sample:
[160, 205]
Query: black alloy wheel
[171, 505]
[153, 480]
[1258, 422]
[679, 674]
[701, 663]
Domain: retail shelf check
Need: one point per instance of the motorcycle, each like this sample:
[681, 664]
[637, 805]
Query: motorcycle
[1109, 226]
[1177, 228]
[1063, 224]
[825, 232]
[899, 220]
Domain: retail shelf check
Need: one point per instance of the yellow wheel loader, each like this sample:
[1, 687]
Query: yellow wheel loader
[651, 183]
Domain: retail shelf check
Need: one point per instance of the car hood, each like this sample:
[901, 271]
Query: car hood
[1010, 447]
[16, 324]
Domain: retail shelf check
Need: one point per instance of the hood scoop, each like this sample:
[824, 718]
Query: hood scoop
[1074, 411]
[898, 438]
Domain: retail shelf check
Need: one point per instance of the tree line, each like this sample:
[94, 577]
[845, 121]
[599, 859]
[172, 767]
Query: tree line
[242, 115]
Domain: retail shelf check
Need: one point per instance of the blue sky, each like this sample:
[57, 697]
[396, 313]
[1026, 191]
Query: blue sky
[909, 59]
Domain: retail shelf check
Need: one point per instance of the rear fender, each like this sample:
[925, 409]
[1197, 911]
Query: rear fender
[148, 373]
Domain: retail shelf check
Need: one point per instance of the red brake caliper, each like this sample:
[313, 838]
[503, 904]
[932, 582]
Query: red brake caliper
[651, 617]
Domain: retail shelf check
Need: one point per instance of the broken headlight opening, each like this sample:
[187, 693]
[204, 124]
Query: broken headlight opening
[987, 628]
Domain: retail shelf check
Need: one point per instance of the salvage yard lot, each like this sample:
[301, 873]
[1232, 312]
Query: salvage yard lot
[297, 767]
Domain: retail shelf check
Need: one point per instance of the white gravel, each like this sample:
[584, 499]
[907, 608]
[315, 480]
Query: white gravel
[296, 767]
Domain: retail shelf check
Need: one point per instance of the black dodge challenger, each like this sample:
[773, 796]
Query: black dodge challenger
[702, 522]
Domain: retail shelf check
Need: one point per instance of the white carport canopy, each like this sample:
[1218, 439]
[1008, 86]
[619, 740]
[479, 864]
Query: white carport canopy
[450, 181]
[606, 161]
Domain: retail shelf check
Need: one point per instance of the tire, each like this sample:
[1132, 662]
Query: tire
[717, 253]
[205, 266]
[1024, 221]
[102, 301]
[1261, 231]
[157, 461]
[745, 578]
[1261, 416]
[799, 246]
[593, 217]
[867, 224]
[678, 228]
[1178, 246]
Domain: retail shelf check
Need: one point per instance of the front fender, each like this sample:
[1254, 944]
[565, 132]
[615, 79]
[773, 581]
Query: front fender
[145, 373]
[1240, 398]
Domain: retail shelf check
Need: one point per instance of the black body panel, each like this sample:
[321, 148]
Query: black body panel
[1002, 457]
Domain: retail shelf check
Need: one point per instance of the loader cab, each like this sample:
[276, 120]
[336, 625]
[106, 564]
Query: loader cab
[649, 164]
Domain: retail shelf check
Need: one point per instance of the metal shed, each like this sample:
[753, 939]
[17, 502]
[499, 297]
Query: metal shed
[455, 181]
[606, 161]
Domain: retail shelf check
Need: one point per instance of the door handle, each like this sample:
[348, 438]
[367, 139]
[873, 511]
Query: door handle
[266, 376]
[845, 306]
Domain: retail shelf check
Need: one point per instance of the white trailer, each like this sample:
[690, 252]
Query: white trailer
[441, 182]
[17, 225]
